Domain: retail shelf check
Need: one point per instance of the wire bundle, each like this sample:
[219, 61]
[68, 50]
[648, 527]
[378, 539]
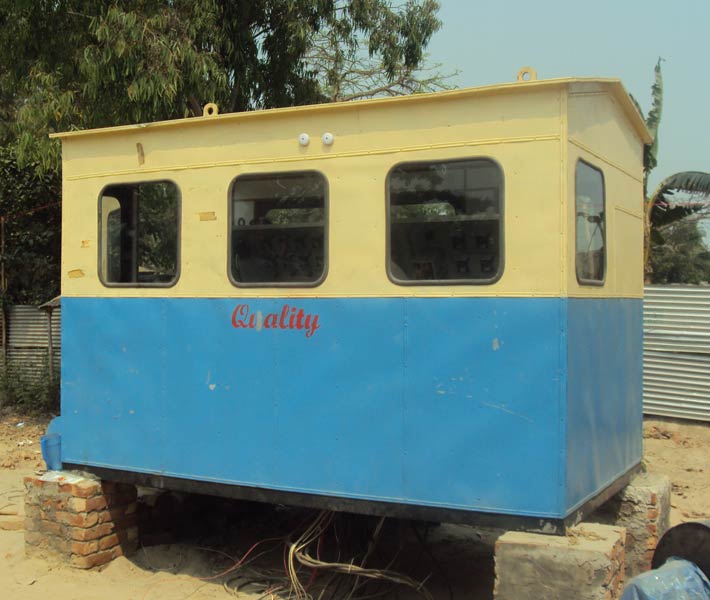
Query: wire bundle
[347, 579]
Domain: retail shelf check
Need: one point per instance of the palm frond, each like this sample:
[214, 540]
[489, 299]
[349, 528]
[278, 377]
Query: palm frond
[664, 210]
[653, 122]
[654, 115]
[664, 214]
[689, 182]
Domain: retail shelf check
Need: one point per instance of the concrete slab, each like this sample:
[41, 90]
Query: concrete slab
[586, 564]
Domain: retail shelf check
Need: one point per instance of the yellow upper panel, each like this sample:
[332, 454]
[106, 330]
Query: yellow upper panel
[623, 231]
[597, 126]
[600, 135]
[522, 127]
[364, 130]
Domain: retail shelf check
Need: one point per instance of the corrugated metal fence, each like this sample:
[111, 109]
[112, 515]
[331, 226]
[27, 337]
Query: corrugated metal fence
[27, 341]
[676, 351]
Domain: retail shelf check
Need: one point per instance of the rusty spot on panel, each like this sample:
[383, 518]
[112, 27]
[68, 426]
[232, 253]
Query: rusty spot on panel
[207, 216]
[141, 154]
[85, 243]
[75, 274]
[496, 344]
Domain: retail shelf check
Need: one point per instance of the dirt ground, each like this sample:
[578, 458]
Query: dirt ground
[185, 565]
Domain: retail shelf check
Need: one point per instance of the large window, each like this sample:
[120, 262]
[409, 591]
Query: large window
[445, 222]
[139, 226]
[591, 225]
[278, 232]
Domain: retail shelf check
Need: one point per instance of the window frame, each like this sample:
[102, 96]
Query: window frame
[326, 229]
[501, 231]
[178, 217]
[581, 281]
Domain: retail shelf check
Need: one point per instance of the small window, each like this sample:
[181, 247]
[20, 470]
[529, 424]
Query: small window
[591, 225]
[278, 234]
[139, 226]
[445, 223]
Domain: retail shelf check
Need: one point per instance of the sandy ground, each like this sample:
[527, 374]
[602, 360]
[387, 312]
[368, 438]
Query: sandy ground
[681, 450]
[185, 567]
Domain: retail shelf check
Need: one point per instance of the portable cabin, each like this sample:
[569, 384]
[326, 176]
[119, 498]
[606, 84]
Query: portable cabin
[427, 306]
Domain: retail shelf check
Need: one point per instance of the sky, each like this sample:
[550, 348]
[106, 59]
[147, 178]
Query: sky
[489, 41]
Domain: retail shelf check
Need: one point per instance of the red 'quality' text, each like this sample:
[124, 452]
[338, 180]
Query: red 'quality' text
[290, 317]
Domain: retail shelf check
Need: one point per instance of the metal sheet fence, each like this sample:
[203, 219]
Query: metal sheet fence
[27, 341]
[676, 351]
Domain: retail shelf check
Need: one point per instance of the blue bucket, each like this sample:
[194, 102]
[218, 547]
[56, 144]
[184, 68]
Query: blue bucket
[51, 445]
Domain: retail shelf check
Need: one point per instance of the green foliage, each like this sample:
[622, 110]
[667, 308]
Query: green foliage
[679, 254]
[80, 64]
[29, 393]
[87, 64]
[355, 56]
[30, 204]
[149, 65]
[661, 208]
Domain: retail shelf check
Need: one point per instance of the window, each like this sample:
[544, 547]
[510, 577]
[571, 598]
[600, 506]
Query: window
[278, 233]
[139, 234]
[445, 222]
[591, 225]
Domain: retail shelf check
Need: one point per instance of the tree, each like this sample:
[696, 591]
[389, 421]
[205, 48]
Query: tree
[683, 256]
[662, 208]
[80, 64]
[348, 67]
[83, 64]
[30, 221]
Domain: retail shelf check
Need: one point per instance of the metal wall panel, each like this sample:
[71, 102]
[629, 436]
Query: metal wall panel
[28, 338]
[676, 353]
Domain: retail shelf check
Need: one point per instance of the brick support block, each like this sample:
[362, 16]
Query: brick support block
[586, 564]
[80, 520]
[643, 508]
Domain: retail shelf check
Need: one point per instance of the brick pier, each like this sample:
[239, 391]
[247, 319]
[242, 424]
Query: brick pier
[643, 508]
[79, 520]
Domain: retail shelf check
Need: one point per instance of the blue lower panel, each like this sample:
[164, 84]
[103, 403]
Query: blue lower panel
[604, 398]
[439, 402]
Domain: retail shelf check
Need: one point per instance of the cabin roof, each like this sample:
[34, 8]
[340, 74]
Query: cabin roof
[615, 86]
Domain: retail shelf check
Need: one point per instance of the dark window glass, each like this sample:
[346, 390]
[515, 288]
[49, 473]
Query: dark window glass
[139, 233]
[278, 234]
[445, 222]
[591, 224]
